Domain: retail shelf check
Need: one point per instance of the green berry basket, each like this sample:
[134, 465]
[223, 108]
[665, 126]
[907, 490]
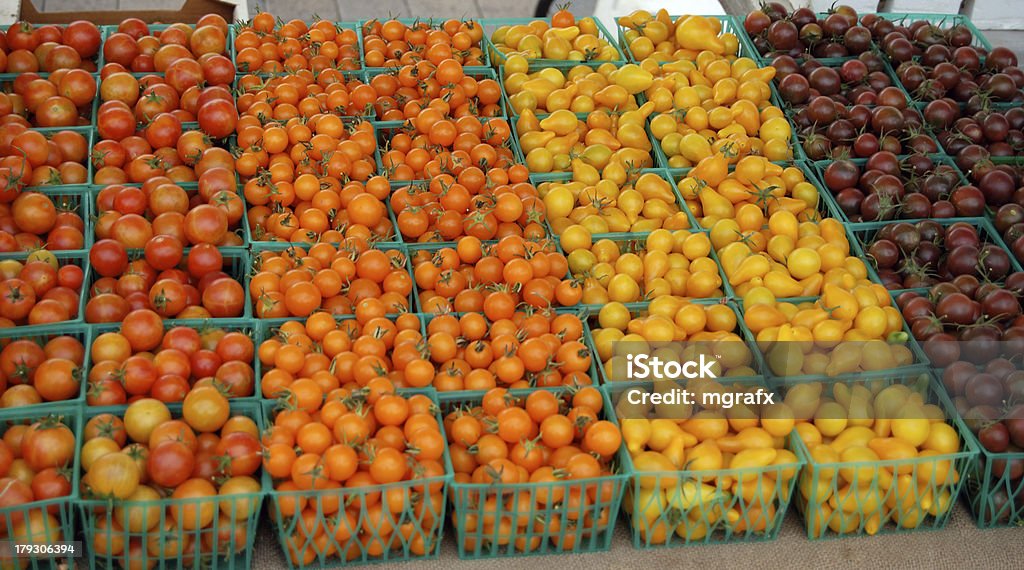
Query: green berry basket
[498, 58]
[433, 23]
[209, 330]
[279, 248]
[499, 520]
[195, 532]
[44, 522]
[687, 507]
[235, 263]
[992, 487]
[730, 25]
[29, 400]
[866, 497]
[353, 515]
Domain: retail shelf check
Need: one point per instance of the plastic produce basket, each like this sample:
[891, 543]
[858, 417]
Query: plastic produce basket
[865, 232]
[89, 135]
[566, 177]
[228, 542]
[497, 58]
[78, 258]
[511, 113]
[944, 21]
[55, 517]
[280, 247]
[640, 310]
[418, 526]
[896, 495]
[693, 507]
[992, 486]
[236, 265]
[41, 335]
[555, 528]
[203, 326]
[730, 25]
[433, 23]
[818, 169]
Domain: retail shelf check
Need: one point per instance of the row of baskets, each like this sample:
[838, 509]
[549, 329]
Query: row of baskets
[661, 508]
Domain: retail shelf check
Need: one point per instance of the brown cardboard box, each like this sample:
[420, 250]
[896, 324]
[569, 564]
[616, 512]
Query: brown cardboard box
[189, 13]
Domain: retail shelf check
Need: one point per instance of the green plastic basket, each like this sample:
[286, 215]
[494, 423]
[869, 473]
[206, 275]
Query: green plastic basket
[228, 542]
[237, 26]
[432, 22]
[944, 21]
[419, 525]
[41, 335]
[691, 507]
[77, 258]
[864, 232]
[236, 265]
[59, 528]
[497, 58]
[730, 25]
[90, 138]
[991, 488]
[642, 309]
[873, 497]
[491, 520]
[511, 113]
[245, 326]
[278, 247]
[818, 169]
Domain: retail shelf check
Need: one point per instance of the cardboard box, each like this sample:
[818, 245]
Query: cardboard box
[14, 10]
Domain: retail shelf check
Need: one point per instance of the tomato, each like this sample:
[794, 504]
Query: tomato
[14, 492]
[143, 416]
[170, 463]
[244, 452]
[108, 257]
[57, 379]
[48, 443]
[224, 298]
[113, 475]
[239, 508]
[205, 409]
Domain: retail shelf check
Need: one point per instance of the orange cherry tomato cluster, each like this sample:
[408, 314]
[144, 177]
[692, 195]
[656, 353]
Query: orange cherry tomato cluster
[447, 208]
[496, 279]
[303, 94]
[430, 145]
[26, 48]
[445, 87]
[209, 456]
[143, 360]
[294, 282]
[274, 155]
[261, 45]
[177, 284]
[556, 441]
[134, 216]
[391, 43]
[354, 439]
[35, 465]
[331, 215]
[529, 349]
[35, 372]
[30, 158]
[63, 99]
[37, 292]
